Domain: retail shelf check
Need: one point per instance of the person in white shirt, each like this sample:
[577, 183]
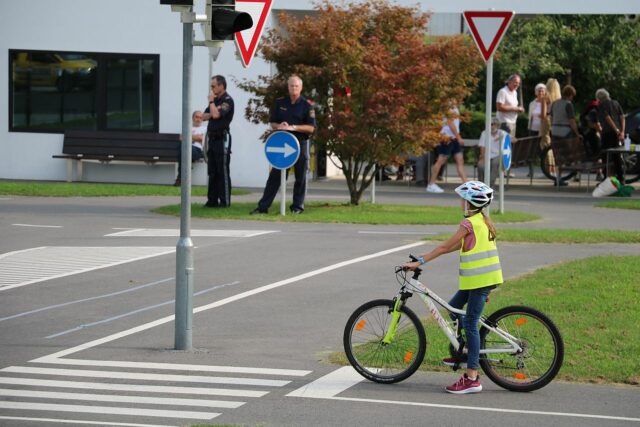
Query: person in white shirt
[198, 131]
[451, 144]
[497, 137]
[537, 109]
[507, 105]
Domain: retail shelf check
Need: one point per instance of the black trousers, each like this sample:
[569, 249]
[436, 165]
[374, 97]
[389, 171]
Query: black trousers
[299, 189]
[610, 140]
[219, 190]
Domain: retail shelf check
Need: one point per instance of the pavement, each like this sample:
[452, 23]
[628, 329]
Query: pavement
[91, 341]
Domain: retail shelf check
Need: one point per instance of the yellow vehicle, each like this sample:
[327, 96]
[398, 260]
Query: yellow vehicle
[61, 71]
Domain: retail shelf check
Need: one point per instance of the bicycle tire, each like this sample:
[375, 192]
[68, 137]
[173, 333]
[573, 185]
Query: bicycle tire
[541, 341]
[375, 360]
[546, 161]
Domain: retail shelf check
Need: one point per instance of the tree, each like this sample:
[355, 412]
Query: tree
[586, 51]
[380, 88]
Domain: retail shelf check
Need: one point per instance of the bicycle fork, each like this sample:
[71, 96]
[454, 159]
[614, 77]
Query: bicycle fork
[395, 318]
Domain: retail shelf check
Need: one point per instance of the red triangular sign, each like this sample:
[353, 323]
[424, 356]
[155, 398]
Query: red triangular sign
[247, 40]
[487, 29]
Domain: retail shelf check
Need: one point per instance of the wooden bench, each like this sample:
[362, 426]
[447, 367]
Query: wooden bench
[105, 147]
[569, 155]
[524, 152]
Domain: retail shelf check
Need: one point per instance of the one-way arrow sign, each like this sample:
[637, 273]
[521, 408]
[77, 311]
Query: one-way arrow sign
[282, 149]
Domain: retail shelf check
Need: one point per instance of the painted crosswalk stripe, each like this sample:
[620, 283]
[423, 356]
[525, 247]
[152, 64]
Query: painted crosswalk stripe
[147, 377]
[110, 410]
[135, 388]
[168, 232]
[86, 422]
[120, 398]
[178, 367]
[329, 385]
[25, 267]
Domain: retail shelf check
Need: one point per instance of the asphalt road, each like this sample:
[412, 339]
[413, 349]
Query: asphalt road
[86, 299]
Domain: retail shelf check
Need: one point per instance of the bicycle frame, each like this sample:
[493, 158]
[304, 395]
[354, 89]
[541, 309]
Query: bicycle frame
[428, 297]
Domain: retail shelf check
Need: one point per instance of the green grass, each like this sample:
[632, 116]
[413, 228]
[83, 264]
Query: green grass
[365, 213]
[558, 235]
[620, 204]
[82, 189]
[594, 303]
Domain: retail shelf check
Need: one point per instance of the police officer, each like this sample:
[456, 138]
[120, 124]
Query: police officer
[219, 113]
[294, 114]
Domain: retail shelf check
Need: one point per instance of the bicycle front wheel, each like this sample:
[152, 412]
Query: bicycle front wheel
[376, 356]
[542, 349]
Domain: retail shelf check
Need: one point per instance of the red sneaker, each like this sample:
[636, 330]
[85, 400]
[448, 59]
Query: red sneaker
[464, 386]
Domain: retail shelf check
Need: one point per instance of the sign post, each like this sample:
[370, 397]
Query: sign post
[487, 29]
[505, 164]
[282, 150]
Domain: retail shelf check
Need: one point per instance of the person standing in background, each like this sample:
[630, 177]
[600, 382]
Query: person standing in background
[611, 118]
[537, 109]
[507, 105]
[219, 113]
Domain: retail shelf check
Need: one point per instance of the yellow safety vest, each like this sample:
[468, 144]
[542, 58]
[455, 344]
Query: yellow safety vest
[480, 267]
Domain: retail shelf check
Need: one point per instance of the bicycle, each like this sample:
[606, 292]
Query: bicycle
[521, 349]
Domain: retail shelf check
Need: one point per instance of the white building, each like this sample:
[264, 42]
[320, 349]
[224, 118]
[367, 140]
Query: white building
[125, 62]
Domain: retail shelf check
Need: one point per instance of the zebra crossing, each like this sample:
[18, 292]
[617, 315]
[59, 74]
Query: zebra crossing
[131, 393]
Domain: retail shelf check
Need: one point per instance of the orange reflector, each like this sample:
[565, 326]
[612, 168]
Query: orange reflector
[521, 321]
[519, 376]
[408, 356]
[360, 325]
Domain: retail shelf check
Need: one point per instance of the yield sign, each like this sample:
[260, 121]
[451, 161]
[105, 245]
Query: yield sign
[247, 40]
[487, 29]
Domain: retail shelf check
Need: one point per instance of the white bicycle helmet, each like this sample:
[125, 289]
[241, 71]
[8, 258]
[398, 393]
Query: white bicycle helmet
[477, 193]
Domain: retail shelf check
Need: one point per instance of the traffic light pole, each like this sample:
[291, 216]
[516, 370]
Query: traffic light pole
[184, 247]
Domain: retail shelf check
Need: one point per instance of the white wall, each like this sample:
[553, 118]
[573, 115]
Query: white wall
[121, 26]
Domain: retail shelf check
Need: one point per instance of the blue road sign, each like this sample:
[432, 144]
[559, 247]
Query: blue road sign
[506, 152]
[282, 149]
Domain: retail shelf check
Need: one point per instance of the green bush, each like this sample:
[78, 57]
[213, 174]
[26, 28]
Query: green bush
[474, 127]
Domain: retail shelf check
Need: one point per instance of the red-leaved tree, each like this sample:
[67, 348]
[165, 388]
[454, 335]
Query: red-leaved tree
[381, 86]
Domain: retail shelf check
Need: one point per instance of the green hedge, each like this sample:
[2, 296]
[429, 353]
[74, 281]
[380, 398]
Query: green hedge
[475, 126]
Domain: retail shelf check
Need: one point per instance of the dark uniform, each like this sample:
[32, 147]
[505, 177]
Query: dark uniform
[299, 113]
[219, 153]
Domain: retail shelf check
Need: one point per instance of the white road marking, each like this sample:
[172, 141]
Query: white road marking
[120, 398]
[301, 277]
[25, 267]
[206, 391]
[330, 385]
[110, 410]
[37, 226]
[412, 233]
[137, 311]
[100, 423]
[145, 377]
[165, 232]
[51, 307]
[181, 367]
[336, 382]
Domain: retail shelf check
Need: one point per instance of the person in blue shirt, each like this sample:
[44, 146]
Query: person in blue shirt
[219, 113]
[294, 114]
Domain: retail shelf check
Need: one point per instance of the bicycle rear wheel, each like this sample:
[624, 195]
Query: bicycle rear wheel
[548, 166]
[542, 349]
[379, 361]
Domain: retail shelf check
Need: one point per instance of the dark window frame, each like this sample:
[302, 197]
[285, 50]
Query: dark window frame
[101, 87]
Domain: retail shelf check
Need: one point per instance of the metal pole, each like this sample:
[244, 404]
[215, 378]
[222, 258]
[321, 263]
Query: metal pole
[502, 174]
[373, 186]
[283, 190]
[184, 247]
[487, 123]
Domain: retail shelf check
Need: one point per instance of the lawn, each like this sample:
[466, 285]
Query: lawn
[365, 213]
[559, 235]
[85, 189]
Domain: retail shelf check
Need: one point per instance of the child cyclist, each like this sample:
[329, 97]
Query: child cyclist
[480, 272]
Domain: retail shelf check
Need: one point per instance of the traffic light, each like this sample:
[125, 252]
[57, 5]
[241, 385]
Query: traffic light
[225, 20]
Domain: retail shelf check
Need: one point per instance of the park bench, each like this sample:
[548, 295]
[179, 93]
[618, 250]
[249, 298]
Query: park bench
[105, 147]
[569, 155]
[525, 152]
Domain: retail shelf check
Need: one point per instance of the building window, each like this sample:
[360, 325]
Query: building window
[55, 91]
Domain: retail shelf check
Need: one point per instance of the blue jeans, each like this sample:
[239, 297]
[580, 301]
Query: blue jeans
[475, 300]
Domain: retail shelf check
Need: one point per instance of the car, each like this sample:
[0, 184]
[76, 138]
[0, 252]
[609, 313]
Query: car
[632, 125]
